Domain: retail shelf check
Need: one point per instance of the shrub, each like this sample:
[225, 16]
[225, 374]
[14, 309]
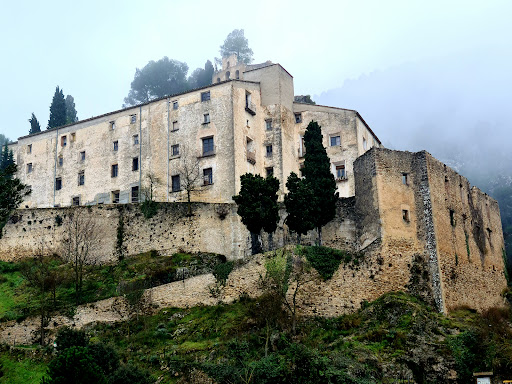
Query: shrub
[7, 267]
[222, 271]
[326, 260]
[67, 338]
[129, 374]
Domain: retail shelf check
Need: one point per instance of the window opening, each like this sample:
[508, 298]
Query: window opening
[206, 118]
[115, 197]
[76, 201]
[29, 168]
[112, 125]
[298, 118]
[452, 217]
[133, 119]
[81, 178]
[340, 172]
[228, 74]
[58, 184]
[268, 124]
[237, 74]
[61, 161]
[207, 176]
[269, 171]
[82, 156]
[205, 96]
[335, 141]
[175, 126]
[405, 215]
[175, 150]
[365, 145]
[269, 150]
[135, 139]
[405, 179]
[135, 164]
[135, 194]
[175, 105]
[29, 148]
[116, 145]
[63, 141]
[208, 147]
[176, 185]
[114, 170]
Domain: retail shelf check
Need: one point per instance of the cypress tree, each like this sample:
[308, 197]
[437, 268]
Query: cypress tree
[34, 125]
[57, 110]
[318, 176]
[296, 201]
[71, 115]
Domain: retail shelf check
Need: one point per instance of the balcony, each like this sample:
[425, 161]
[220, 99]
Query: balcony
[250, 107]
[251, 157]
[342, 176]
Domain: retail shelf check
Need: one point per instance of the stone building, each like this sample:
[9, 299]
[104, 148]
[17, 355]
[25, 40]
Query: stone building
[246, 121]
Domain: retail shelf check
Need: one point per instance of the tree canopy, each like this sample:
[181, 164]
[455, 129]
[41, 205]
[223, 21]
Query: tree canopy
[157, 79]
[3, 140]
[71, 115]
[237, 44]
[257, 204]
[201, 77]
[296, 201]
[319, 178]
[57, 110]
[34, 124]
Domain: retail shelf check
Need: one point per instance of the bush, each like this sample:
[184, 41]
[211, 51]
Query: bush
[129, 374]
[105, 357]
[68, 337]
[326, 260]
[7, 267]
[222, 271]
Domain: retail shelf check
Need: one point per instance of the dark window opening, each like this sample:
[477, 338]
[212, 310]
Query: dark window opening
[335, 141]
[405, 215]
[133, 119]
[206, 118]
[135, 194]
[58, 184]
[205, 96]
[175, 105]
[114, 170]
[268, 124]
[116, 145]
[82, 156]
[269, 150]
[228, 74]
[29, 168]
[76, 200]
[208, 147]
[135, 164]
[298, 118]
[340, 172]
[405, 179]
[175, 150]
[176, 185]
[207, 176]
[269, 171]
[63, 141]
[237, 74]
[81, 178]
[115, 197]
[452, 217]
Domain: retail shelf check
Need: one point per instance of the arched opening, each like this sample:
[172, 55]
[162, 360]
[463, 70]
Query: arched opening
[218, 79]
[237, 74]
[228, 74]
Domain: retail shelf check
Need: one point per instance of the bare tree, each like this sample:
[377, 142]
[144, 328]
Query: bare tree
[192, 180]
[80, 241]
[149, 206]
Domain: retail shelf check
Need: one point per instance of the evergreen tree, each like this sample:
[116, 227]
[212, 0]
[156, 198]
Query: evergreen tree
[201, 77]
[7, 158]
[297, 200]
[57, 110]
[319, 178]
[71, 115]
[34, 125]
[237, 43]
[257, 206]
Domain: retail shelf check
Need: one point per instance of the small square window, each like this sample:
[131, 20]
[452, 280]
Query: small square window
[63, 141]
[175, 150]
[405, 179]
[29, 168]
[133, 119]
[135, 194]
[135, 164]
[114, 170]
[82, 156]
[176, 185]
[135, 139]
[208, 147]
[268, 124]
[175, 126]
[335, 141]
[405, 215]
[269, 171]
[76, 201]
[112, 125]
[81, 178]
[298, 118]
[206, 118]
[58, 184]
[61, 161]
[115, 197]
[205, 96]
[29, 148]
[175, 105]
[207, 176]
[116, 145]
[269, 150]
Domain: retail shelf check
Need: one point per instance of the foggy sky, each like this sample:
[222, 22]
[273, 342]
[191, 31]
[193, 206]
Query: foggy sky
[430, 75]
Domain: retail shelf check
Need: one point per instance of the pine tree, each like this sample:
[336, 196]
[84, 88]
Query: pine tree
[57, 110]
[297, 202]
[7, 158]
[257, 206]
[319, 178]
[34, 125]
[71, 115]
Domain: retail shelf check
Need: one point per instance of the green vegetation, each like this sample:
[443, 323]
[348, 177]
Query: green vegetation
[327, 260]
[21, 366]
[222, 271]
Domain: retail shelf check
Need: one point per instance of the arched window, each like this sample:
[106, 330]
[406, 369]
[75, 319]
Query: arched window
[227, 75]
[218, 79]
[237, 74]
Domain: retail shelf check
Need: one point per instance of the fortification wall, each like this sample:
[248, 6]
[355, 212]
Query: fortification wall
[211, 228]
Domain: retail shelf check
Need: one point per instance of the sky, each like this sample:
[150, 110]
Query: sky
[422, 74]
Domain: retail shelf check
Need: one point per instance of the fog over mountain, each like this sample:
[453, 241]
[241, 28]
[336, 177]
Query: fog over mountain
[457, 108]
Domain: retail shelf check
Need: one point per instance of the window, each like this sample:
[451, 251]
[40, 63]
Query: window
[81, 178]
[206, 118]
[112, 125]
[175, 105]
[208, 147]
[301, 169]
[61, 161]
[115, 197]
[29, 168]
[269, 171]
[176, 185]
[63, 141]
[133, 119]
[452, 217]
[269, 150]
[82, 156]
[205, 96]
[268, 124]
[58, 184]
[298, 118]
[237, 74]
[29, 148]
[76, 200]
[340, 172]
[114, 170]
[302, 147]
[335, 141]
[135, 194]
[228, 74]
[365, 145]
[218, 79]
[135, 139]
[207, 176]
[175, 150]
[247, 99]
[116, 145]
[135, 164]
[175, 126]
[405, 179]
[405, 215]
[73, 136]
